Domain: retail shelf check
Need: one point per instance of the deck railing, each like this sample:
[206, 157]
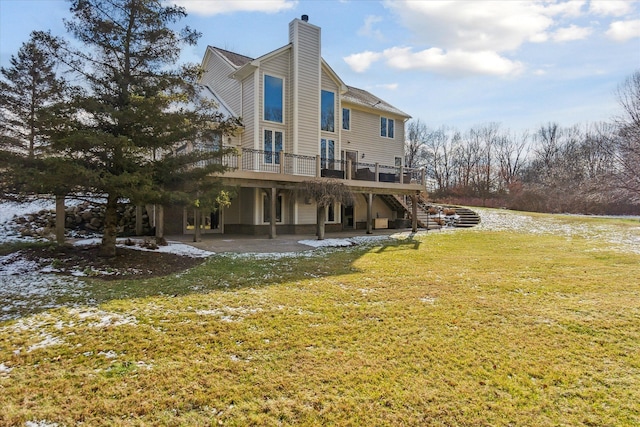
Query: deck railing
[315, 166]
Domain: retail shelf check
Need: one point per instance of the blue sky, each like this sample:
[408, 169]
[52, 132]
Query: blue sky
[454, 63]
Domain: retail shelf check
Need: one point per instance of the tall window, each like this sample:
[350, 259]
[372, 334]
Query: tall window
[327, 111]
[272, 146]
[331, 213]
[266, 209]
[346, 119]
[386, 127]
[327, 153]
[273, 98]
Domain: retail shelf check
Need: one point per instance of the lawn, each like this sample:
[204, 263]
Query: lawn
[473, 327]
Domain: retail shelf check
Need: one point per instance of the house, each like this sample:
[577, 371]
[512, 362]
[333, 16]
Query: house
[302, 122]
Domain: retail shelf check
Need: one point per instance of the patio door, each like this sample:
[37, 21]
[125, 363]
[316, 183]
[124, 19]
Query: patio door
[210, 221]
[353, 156]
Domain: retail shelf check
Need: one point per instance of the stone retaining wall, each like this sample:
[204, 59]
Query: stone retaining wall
[83, 219]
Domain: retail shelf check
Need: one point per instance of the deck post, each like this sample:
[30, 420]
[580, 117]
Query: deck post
[402, 175]
[281, 159]
[369, 212]
[414, 213]
[377, 172]
[272, 218]
[349, 168]
[317, 166]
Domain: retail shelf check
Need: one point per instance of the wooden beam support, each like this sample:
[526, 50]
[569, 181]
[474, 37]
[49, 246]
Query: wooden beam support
[273, 199]
[369, 212]
[414, 213]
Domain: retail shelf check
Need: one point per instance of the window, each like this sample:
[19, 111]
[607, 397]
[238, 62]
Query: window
[273, 98]
[272, 146]
[386, 127]
[327, 111]
[266, 209]
[346, 119]
[327, 153]
[215, 144]
[331, 213]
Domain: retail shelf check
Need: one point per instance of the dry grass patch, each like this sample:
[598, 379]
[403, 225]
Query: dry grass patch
[464, 328]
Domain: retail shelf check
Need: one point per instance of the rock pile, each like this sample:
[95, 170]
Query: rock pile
[81, 220]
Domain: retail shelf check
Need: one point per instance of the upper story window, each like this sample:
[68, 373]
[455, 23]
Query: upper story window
[273, 98]
[386, 127]
[346, 119]
[327, 111]
[272, 146]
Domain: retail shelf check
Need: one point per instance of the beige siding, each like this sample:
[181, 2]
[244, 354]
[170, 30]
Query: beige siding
[306, 51]
[379, 209]
[306, 212]
[232, 212]
[365, 138]
[247, 114]
[248, 206]
[216, 77]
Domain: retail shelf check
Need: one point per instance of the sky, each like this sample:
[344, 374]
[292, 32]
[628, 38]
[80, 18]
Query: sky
[447, 63]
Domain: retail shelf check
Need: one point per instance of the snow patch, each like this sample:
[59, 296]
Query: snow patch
[40, 423]
[175, 248]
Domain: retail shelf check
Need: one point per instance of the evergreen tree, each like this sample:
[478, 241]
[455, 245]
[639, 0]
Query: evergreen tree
[28, 88]
[120, 137]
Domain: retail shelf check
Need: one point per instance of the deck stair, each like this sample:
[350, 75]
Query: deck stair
[464, 217]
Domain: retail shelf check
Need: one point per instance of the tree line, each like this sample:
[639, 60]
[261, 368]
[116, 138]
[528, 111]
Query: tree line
[590, 168]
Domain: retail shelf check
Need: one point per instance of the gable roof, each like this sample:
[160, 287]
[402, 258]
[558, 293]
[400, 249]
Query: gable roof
[234, 59]
[366, 99]
[353, 94]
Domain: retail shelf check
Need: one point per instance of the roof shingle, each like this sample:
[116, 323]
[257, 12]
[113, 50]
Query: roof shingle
[234, 58]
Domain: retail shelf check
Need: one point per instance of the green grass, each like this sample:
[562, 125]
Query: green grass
[467, 328]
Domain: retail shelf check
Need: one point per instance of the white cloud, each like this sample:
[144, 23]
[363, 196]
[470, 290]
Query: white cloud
[610, 7]
[570, 33]
[478, 25]
[622, 31]
[471, 37]
[368, 30]
[564, 8]
[217, 7]
[360, 62]
[452, 62]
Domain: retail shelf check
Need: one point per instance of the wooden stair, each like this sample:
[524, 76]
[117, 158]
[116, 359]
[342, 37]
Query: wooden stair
[466, 217]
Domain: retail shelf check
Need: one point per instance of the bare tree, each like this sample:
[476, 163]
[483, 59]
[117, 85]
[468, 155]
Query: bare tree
[326, 192]
[466, 158]
[416, 137]
[627, 147]
[439, 148]
[512, 151]
[485, 174]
